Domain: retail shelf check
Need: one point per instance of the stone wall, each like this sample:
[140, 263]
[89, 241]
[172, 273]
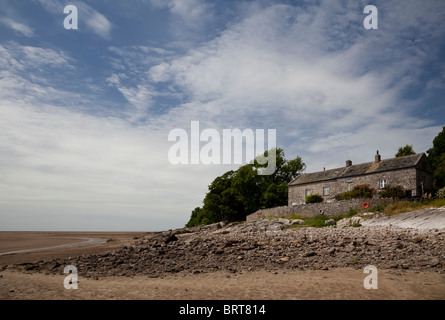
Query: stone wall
[312, 209]
[407, 178]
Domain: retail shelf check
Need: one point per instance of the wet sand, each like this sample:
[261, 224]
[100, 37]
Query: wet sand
[36, 242]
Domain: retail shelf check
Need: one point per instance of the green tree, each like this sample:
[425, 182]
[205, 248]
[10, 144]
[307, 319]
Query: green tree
[439, 173]
[238, 193]
[437, 159]
[405, 151]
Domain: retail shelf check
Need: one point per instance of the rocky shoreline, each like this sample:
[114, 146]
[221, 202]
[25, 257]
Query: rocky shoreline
[262, 245]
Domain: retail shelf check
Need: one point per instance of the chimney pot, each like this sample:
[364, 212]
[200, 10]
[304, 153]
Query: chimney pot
[378, 158]
[348, 163]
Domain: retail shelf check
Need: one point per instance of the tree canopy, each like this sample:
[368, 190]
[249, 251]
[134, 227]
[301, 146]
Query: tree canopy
[436, 156]
[236, 194]
[405, 151]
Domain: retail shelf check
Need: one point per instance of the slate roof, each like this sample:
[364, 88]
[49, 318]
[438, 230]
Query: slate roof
[359, 169]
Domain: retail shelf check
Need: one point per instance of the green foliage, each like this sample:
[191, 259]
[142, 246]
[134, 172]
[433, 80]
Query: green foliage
[405, 151]
[314, 198]
[377, 208]
[439, 172]
[235, 194]
[352, 212]
[392, 192]
[436, 156]
[361, 191]
[441, 193]
[316, 221]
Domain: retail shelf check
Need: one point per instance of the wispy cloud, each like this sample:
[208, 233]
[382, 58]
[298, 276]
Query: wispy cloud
[331, 89]
[95, 21]
[289, 68]
[189, 18]
[18, 27]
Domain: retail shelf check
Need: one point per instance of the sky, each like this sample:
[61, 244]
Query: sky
[86, 113]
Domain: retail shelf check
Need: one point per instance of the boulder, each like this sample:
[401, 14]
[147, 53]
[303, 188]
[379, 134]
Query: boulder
[296, 222]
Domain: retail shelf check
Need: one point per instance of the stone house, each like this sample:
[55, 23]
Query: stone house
[413, 173]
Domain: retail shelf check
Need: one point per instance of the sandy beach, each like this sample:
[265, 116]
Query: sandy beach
[17, 283]
[342, 283]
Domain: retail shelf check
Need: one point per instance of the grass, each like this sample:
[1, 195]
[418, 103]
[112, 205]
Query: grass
[407, 206]
[393, 209]
[27, 266]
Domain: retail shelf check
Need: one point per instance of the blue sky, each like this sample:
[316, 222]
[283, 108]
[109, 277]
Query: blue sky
[86, 113]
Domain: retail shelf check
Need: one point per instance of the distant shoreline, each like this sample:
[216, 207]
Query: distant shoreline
[89, 241]
[31, 246]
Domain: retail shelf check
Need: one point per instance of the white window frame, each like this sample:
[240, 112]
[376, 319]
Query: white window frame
[350, 187]
[383, 183]
[325, 191]
[307, 192]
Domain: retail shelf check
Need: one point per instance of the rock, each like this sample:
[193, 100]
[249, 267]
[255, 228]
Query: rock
[330, 221]
[434, 261]
[349, 222]
[296, 222]
[310, 254]
[263, 245]
[170, 238]
[284, 221]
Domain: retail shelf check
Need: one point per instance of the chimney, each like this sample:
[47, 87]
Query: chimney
[378, 158]
[348, 163]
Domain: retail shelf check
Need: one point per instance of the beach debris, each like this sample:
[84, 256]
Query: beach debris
[263, 245]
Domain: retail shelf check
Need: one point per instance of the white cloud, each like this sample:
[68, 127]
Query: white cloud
[309, 74]
[18, 27]
[87, 166]
[95, 21]
[189, 18]
[330, 89]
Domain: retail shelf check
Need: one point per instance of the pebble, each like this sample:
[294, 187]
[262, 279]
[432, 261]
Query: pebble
[264, 245]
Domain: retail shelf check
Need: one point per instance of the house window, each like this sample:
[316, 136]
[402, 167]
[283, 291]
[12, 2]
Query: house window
[382, 183]
[350, 187]
[325, 191]
[308, 192]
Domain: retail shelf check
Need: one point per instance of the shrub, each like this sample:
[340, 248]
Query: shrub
[392, 192]
[316, 221]
[441, 193]
[361, 191]
[352, 212]
[314, 198]
[377, 208]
